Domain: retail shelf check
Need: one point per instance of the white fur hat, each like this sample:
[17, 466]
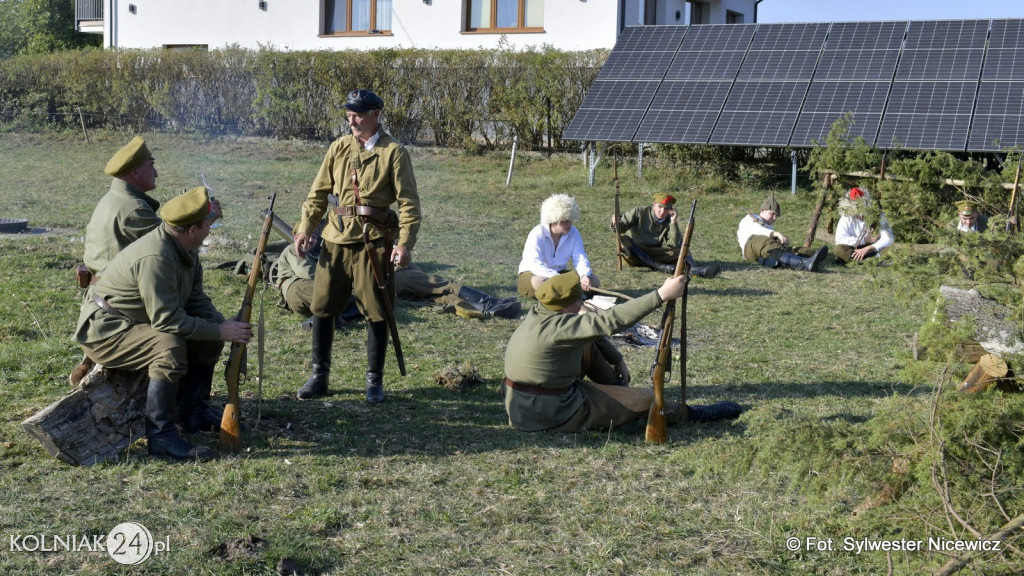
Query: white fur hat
[559, 207]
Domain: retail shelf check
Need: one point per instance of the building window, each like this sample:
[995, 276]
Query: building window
[357, 16]
[700, 13]
[504, 15]
[733, 17]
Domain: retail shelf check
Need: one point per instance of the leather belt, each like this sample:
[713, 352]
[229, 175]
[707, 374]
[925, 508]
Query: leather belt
[538, 390]
[368, 211]
[102, 303]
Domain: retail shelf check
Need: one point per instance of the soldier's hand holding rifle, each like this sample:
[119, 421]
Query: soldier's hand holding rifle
[672, 288]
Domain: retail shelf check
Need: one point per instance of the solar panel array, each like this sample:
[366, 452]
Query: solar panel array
[944, 85]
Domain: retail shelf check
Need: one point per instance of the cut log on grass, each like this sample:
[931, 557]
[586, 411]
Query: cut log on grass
[996, 330]
[97, 421]
[985, 374]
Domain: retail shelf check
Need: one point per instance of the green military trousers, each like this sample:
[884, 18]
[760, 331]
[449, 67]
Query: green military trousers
[165, 356]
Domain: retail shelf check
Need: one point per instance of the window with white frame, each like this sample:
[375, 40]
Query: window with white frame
[504, 15]
[357, 16]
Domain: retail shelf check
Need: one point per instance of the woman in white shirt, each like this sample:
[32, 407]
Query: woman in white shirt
[855, 240]
[555, 246]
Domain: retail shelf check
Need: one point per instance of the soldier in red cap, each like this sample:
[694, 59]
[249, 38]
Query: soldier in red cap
[652, 237]
[856, 239]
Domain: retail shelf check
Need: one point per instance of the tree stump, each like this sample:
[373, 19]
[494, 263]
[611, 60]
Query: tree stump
[97, 421]
[991, 370]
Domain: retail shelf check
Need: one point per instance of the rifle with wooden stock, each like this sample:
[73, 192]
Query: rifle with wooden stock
[618, 216]
[656, 425]
[230, 423]
[1011, 214]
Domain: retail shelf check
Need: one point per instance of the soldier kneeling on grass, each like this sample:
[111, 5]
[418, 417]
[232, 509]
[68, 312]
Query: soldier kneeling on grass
[148, 312]
[761, 243]
[543, 389]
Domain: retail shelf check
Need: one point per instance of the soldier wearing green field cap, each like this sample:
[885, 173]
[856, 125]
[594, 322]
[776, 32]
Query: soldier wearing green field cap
[544, 388]
[126, 212]
[760, 242]
[148, 311]
[652, 237]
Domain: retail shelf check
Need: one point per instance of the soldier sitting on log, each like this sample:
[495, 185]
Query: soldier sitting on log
[148, 312]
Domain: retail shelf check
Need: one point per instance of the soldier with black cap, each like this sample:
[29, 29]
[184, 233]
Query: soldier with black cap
[543, 389]
[653, 238]
[761, 243]
[148, 312]
[368, 171]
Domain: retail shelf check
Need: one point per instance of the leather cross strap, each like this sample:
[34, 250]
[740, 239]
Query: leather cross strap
[538, 390]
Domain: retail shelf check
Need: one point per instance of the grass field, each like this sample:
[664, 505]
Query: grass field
[434, 481]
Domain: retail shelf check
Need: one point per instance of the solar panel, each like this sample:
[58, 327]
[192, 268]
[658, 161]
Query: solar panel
[770, 85]
[944, 84]
[759, 114]
[928, 115]
[614, 106]
[684, 112]
[829, 101]
[853, 76]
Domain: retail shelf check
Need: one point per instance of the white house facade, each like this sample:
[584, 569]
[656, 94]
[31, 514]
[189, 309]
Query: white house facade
[373, 24]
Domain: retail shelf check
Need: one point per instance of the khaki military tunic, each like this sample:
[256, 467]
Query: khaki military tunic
[659, 240]
[161, 317]
[385, 177]
[122, 216]
[546, 351]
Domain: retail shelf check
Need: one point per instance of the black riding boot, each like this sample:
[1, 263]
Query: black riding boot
[646, 260]
[489, 305]
[714, 412]
[194, 409]
[703, 271]
[807, 264]
[376, 350]
[161, 432]
[323, 338]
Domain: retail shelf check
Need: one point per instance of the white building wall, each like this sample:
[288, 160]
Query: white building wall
[296, 24]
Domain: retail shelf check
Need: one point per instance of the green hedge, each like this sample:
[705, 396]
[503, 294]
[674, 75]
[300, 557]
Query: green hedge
[452, 98]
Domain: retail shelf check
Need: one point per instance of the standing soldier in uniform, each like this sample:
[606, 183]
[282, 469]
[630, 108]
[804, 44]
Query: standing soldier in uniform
[383, 172]
[653, 238]
[148, 312]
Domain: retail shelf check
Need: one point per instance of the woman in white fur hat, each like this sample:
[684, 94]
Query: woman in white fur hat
[555, 246]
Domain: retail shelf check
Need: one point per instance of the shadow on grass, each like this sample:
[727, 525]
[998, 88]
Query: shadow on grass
[431, 422]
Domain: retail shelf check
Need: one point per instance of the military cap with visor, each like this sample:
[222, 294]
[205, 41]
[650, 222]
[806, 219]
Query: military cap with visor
[560, 291]
[187, 208]
[966, 208]
[363, 100]
[128, 158]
